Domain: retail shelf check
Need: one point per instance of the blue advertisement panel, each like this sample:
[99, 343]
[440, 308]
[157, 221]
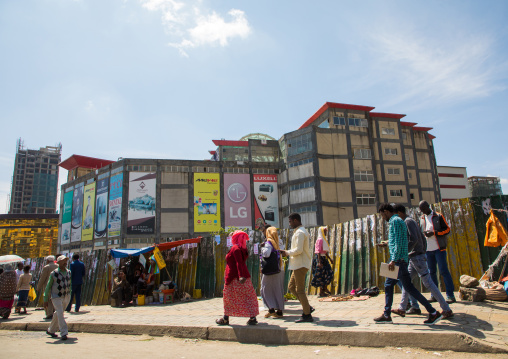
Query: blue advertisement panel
[101, 209]
[77, 213]
[115, 205]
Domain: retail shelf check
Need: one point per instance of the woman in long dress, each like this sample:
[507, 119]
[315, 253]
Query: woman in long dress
[7, 290]
[322, 272]
[272, 285]
[239, 296]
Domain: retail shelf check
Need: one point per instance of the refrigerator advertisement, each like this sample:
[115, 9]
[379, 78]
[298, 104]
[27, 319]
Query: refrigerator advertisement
[141, 214]
[65, 233]
[88, 212]
[101, 209]
[115, 205]
[77, 214]
[267, 200]
[237, 201]
[206, 202]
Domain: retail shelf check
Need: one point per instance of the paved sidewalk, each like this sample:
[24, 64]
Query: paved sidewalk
[476, 327]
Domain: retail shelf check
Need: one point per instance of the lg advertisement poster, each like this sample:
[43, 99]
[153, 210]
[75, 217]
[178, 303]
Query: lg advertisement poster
[77, 214]
[65, 233]
[206, 202]
[267, 200]
[141, 214]
[101, 209]
[237, 201]
[115, 205]
[88, 212]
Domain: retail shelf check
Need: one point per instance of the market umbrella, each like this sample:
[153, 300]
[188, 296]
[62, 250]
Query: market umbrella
[10, 258]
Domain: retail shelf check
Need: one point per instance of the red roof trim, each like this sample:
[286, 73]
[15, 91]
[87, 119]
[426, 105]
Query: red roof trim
[432, 136]
[426, 129]
[231, 143]
[387, 115]
[212, 152]
[328, 105]
[408, 124]
[83, 161]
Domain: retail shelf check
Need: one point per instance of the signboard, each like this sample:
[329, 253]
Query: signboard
[237, 200]
[206, 202]
[141, 214]
[158, 258]
[267, 200]
[65, 233]
[77, 214]
[101, 209]
[115, 205]
[88, 213]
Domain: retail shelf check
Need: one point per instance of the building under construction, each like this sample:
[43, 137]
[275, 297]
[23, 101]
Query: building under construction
[485, 186]
[35, 180]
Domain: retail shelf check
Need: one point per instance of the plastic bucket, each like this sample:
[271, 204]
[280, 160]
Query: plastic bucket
[196, 293]
[141, 299]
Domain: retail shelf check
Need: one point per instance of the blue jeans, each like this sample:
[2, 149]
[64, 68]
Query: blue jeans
[407, 285]
[418, 266]
[438, 258]
[76, 291]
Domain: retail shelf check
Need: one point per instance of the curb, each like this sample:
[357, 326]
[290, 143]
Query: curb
[454, 341]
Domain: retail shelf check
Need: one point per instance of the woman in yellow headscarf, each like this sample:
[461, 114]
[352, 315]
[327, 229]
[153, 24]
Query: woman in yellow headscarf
[272, 280]
[322, 271]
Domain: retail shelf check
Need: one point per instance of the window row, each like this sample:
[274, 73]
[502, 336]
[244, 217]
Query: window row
[306, 209]
[364, 176]
[299, 163]
[301, 185]
[357, 122]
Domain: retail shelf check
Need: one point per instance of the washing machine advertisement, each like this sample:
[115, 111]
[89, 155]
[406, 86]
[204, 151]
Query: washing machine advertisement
[267, 200]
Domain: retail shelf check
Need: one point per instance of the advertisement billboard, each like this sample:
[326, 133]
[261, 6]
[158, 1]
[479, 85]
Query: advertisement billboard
[141, 214]
[65, 233]
[267, 200]
[88, 212]
[115, 205]
[101, 209]
[77, 214]
[237, 201]
[206, 202]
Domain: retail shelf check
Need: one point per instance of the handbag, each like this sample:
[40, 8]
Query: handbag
[271, 265]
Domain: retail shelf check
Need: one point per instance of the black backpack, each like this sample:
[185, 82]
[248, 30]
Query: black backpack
[271, 265]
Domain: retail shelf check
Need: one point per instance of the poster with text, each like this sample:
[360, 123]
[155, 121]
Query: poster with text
[77, 214]
[206, 202]
[267, 200]
[101, 209]
[115, 205]
[65, 232]
[141, 213]
[88, 212]
[237, 201]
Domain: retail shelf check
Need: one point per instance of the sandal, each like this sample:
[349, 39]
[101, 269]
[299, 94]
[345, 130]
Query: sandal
[252, 321]
[222, 321]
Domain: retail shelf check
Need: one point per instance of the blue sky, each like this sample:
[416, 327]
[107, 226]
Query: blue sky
[162, 78]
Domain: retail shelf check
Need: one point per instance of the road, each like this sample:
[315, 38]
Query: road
[38, 345]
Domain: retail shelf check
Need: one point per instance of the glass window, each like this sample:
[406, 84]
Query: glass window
[391, 151]
[395, 193]
[410, 175]
[365, 199]
[388, 131]
[364, 176]
[412, 196]
[358, 122]
[394, 171]
[301, 162]
[404, 136]
[302, 185]
[306, 209]
[324, 124]
[339, 121]
[362, 154]
[299, 144]
[406, 156]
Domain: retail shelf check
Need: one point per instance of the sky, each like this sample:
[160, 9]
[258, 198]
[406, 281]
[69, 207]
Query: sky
[163, 78]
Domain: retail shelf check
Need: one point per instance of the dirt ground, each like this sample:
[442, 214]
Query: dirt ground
[37, 344]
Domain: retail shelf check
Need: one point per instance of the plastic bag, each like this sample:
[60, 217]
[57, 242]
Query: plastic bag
[32, 294]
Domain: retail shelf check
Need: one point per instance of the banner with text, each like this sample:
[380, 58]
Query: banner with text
[141, 214]
[65, 232]
[101, 209]
[115, 205]
[88, 213]
[206, 202]
[237, 201]
[77, 214]
[267, 200]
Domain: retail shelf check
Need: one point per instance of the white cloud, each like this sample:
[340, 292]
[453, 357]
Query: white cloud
[438, 69]
[190, 28]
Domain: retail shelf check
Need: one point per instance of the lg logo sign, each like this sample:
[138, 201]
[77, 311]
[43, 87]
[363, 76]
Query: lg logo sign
[237, 193]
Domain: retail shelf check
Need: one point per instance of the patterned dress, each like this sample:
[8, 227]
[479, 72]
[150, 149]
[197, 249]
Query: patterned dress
[7, 291]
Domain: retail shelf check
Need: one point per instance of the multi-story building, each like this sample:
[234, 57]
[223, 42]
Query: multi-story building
[345, 160]
[453, 182]
[35, 180]
[484, 186]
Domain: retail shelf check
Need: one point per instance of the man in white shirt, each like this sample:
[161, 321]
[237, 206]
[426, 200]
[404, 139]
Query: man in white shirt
[300, 260]
[19, 271]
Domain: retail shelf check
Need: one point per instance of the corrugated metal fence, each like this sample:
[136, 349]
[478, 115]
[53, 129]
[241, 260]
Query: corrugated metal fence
[352, 245]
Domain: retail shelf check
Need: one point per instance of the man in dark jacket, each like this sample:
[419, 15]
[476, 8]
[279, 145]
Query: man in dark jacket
[77, 273]
[436, 229]
[417, 247]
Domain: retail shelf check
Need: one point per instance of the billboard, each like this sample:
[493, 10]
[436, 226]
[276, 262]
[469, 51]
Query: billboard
[206, 202]
[141, 214]
[237, 200]
[88, 212]
[101, 209]
[65, 233]
[77, 214]
[115, 205]
[267, 200]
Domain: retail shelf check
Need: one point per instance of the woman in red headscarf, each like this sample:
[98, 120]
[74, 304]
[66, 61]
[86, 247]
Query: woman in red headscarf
[240, 298]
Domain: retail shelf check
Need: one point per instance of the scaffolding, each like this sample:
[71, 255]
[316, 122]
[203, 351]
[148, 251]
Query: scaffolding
[484, 186]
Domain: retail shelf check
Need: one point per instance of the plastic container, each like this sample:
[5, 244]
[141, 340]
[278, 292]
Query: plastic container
[196, 294]
[141, 299]
[149, 300]
[161, 298]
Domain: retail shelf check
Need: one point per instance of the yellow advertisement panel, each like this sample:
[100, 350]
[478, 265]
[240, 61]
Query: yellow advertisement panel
[158, 258]
[206, 202]
[88, 212]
